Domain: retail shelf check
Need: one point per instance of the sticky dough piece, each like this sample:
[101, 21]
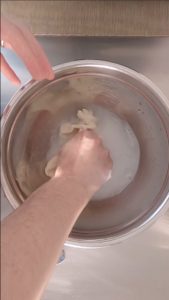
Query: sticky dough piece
[23, 178]
[51, 167]
[87, 121]
[30, 177]
[86, 116]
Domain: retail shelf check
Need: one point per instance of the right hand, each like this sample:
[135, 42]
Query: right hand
[85, 160]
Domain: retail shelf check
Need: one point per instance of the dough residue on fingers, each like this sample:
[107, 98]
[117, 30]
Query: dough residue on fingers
[51, 167]
[86, 121]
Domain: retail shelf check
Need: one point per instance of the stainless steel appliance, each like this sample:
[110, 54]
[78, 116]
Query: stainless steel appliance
[137, 268]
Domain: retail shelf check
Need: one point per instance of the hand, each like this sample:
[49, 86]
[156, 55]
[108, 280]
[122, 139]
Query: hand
[18, 37]
[86, 161]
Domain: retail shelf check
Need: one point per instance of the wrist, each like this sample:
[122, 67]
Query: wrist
[78, 180]
[70, 185]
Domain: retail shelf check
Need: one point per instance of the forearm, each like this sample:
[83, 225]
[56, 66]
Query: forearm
[42, 223]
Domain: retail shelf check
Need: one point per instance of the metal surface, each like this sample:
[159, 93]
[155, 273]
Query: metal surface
[91, 18]
[138, 268]
[32, 119]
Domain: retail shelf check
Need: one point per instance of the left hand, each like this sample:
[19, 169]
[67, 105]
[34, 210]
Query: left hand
[19, 38]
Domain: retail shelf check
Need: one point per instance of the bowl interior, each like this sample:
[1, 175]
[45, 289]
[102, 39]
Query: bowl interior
[35, 121]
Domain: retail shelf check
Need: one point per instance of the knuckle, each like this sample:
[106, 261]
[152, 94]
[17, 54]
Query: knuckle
[98, 141]
[111, 164]
[106, 152]
[86, 133]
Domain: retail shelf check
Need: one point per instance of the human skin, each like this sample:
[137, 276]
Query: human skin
[17, 37]
[32, 237]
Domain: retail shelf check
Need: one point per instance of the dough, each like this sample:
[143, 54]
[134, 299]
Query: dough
[22, 176]
[51, 167]
[30, 176]
[86, 117]
[116, 135]
[86, 121]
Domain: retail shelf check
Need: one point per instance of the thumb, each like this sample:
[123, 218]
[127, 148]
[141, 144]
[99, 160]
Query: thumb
[8, 72]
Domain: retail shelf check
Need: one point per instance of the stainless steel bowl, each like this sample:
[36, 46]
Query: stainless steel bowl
[33, 113]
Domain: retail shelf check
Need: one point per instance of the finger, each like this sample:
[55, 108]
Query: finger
[7, 45]
[88, 134]
[37, 49]
[98, 141]
[11, 34]
[8, 72]
[109, 164]
[109, 176]
[106, 152]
